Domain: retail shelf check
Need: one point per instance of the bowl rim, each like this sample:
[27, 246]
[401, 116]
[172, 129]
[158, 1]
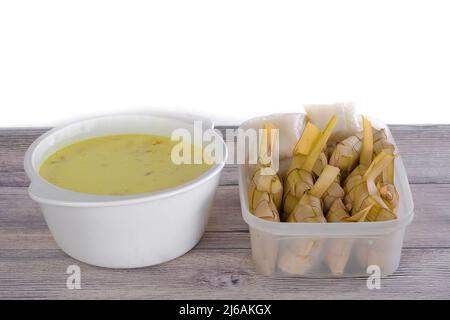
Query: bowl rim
[45, 192]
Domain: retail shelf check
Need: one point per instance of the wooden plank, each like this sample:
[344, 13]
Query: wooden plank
[432, 216]
[420, 146]
[200, 274]
[425, 151]
[22, 226]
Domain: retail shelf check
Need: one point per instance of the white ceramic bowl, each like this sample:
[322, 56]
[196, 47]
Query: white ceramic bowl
[123, 231]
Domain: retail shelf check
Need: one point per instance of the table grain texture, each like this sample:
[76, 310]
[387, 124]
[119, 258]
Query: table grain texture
[220, 266]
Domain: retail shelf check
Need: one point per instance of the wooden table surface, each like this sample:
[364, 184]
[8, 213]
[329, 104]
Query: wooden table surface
[220, 266]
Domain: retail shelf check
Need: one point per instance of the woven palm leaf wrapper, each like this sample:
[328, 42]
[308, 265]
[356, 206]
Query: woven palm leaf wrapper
[335, 192]
[354, 180]
[307, 163]
[358, 196]
[338, 250]
[300, 255]
[265, 191]
[363, 190]
[298, 181]
[360, 188]
[373, 251]
[265, 194]
[385, 182]
[346, 154]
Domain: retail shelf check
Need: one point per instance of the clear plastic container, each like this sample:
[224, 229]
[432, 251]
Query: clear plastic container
[329, 249]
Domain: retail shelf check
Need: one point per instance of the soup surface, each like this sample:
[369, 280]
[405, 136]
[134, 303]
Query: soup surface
[119, 165]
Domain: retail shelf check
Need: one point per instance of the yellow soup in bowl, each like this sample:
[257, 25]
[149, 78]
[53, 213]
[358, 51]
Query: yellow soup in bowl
[125, 164]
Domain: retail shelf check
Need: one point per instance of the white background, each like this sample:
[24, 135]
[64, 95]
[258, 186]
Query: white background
[230, 60]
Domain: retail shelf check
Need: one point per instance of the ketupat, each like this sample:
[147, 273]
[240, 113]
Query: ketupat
[320, 164]
[380, 210]
[309, 158]
[360, 185]
[385, 182]
[389, 194]
[265, 190]
[338, 213]
[346, 154]
[372, 252]
[365, 158]
[338, 250]
[309, 208]
[335, 192]
[262, 204]
[298, 182]
[299, 255]
[381, 143]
